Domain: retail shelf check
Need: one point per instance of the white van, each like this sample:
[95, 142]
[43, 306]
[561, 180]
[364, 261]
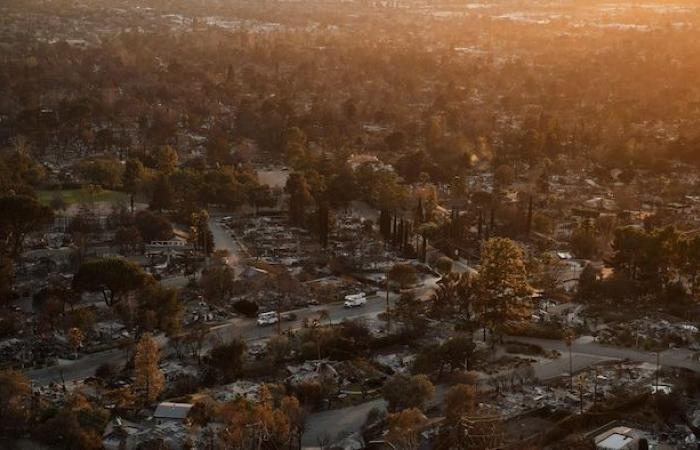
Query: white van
[267, 318]
[355, 300]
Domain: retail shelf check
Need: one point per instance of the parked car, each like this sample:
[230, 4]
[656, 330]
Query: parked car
[267, 318]
[354, 300]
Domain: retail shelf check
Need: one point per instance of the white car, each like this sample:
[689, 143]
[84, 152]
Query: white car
[267, 318]
[355, 300]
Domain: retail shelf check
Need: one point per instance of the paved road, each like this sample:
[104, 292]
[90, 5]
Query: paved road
[585, 348]
[331, 424]
[224, 241]
[246, 329]
[337, 422]
[74, 370]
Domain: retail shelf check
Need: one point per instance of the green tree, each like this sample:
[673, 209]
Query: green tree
[166, 159]
[72, 428]
[201, 234]
[163, 196]
[443, 299]
[299, 198]
[20, 216]
[444, 265]
[218, 147]
[161, 308]
[217, 282]
[652, 259]
[262, 197]
[115, 278]
[690, 262]
[342, 188]
[57, 202]
[454, 353]
[457, 352]
[100, 171]
[153, 226]
[584, 242]
[408, 311]
[15, 398]
[133, 178]
[403, 274]
[504, 175]
[588, 285]
[7, 277]
[129, 240]
[466, 296]
[278, 348]
[628, 247]
[502, 287]
[225, 361]
[294, 144]
[402, 391]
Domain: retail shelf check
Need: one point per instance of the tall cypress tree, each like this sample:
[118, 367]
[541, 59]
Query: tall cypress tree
[385, 224]
[406, 232]
[323, 224]
[420, 212]
[480, 227]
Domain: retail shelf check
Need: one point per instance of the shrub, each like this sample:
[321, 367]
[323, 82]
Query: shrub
[105, 371]
[544, 331]
[523, 348]
[403, 392]
[310, 393]
[246, 307]
[225, 361]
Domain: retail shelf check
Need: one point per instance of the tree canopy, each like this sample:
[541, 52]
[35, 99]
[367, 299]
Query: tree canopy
[20, 216]
[115, 278]
[502, 285]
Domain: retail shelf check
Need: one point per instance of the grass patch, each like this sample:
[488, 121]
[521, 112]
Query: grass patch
[74, 196]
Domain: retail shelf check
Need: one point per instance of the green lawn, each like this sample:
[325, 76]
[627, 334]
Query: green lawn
[73, 196]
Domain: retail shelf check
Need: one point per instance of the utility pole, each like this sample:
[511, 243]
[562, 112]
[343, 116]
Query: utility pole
[569, 340]
[388, 312]
[279, 317]
[571, 368]
[595, 386]
[658, 369]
